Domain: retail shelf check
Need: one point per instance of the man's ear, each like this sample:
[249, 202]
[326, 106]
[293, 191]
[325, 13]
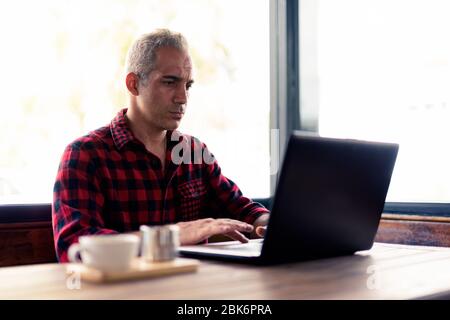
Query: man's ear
[132, 82]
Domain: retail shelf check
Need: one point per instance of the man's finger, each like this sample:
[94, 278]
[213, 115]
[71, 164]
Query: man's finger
[261, 231]
[236, 235]
[244, 227]
[235, 225]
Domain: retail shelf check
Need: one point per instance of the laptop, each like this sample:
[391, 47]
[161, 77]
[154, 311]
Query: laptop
[328, 202]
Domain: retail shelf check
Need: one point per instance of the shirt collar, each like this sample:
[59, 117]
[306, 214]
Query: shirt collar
[120, 131]
[122, 134]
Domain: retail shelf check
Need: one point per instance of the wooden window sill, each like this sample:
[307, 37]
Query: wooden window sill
[414, 230]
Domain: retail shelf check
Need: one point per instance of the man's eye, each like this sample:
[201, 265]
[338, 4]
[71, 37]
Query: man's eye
[169, 83]
[188, 86]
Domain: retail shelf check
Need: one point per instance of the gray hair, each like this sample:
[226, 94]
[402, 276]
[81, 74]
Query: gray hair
[141, 58]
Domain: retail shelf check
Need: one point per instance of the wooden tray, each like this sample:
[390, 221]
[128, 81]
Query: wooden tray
[140, 269]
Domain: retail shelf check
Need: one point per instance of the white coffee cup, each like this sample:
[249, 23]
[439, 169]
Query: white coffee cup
[105, 252]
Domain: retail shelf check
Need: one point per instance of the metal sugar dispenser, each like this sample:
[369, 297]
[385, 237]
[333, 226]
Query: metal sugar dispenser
[159, 243]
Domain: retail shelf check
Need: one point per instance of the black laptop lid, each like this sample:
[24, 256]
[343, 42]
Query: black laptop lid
[329, 197]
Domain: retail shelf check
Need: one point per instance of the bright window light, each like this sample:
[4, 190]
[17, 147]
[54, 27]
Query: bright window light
[62, 71]
[383, 74]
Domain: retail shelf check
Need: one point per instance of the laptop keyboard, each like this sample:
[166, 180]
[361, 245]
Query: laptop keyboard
[231, 248]
[253, 246]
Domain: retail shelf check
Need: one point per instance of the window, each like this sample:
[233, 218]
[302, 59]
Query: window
[62, 75]
[380, 70]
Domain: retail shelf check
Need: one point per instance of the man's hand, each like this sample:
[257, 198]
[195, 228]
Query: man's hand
[193, 232]
[260, 226]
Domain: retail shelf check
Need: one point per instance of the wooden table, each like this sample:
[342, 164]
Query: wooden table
[386, 271]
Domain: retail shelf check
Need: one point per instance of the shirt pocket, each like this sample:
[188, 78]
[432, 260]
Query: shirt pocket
[192, 198]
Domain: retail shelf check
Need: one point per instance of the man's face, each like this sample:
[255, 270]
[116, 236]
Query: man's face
[163, 98]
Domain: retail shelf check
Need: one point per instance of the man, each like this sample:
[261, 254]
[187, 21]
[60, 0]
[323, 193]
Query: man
[129, 173]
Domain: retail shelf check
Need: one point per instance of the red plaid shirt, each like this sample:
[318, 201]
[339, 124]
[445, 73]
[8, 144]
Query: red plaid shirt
[108, 182]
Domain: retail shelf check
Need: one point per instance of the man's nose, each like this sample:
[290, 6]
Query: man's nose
[181, 95]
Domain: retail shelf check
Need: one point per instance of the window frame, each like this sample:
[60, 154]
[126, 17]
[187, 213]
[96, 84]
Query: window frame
[288, 112]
